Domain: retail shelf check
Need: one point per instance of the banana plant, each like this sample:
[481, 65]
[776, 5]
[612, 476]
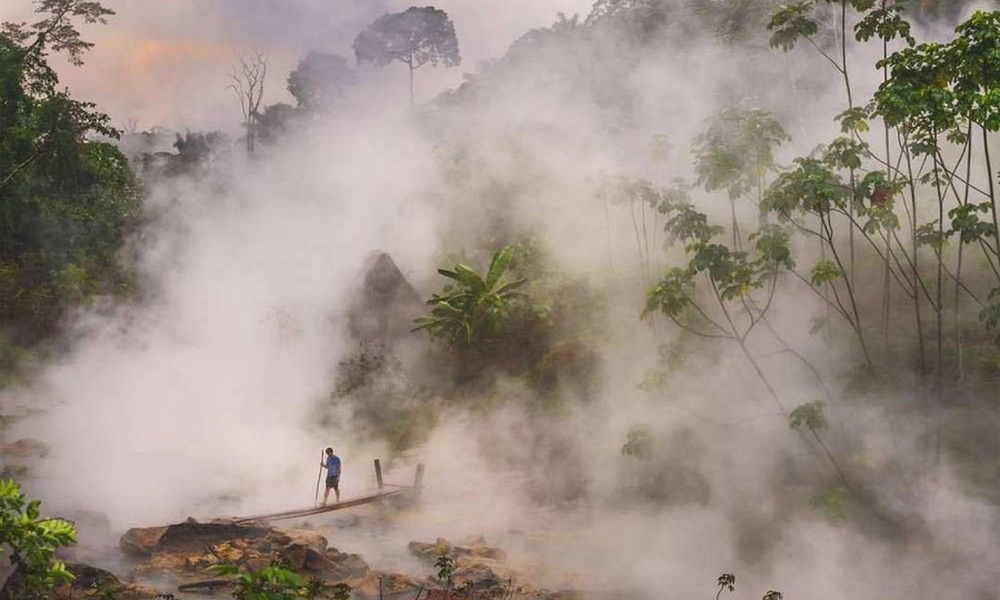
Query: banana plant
[473, 309]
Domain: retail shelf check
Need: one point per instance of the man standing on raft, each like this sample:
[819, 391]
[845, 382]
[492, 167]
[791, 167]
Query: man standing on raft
[332, 466]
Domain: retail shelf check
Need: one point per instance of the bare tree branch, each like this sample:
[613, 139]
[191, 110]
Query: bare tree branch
[248, 85]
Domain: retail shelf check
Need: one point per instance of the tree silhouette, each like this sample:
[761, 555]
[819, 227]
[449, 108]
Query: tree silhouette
[248, 85]
[67, 200]
[319, 80]
[57, 30]
[414, 37]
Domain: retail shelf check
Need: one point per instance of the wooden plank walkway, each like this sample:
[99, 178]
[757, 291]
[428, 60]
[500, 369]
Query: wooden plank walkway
[317, 510]
[399, 490]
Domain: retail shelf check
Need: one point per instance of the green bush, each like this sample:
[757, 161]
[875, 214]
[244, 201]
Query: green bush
[276, 583]
[32, 541]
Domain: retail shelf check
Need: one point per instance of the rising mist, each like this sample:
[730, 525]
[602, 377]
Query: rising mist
[210, 393]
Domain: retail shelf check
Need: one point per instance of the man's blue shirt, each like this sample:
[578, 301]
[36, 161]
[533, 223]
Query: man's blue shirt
[332, 466]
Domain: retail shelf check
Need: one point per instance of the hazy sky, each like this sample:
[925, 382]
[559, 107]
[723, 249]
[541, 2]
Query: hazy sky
[165, 61]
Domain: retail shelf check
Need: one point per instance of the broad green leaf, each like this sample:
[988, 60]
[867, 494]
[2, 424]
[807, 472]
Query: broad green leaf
[498, 266]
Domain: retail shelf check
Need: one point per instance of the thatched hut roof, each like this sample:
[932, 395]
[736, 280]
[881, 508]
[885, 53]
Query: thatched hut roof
[385, 306]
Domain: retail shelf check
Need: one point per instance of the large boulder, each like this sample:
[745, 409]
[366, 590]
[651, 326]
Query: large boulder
[192, 535]
[429, 552]
[383, 585]
[189, 536]
[87, 584]
[479, 568]
[16, 458]
[479, 575]
[25, 448]
[186, 553]
[473, 547]
[334, 566]
[482, 577]
[298, 546]
[331, 566]
[141, 541]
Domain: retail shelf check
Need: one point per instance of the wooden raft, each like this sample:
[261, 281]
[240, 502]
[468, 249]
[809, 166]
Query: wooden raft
[382, 494]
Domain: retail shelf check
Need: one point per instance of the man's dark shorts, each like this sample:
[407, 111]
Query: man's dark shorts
[333, 482]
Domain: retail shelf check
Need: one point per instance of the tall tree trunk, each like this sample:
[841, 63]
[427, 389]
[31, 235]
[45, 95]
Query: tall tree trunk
[886, 300]
[638, 242]
[940, 285]
[409, 65]
[886, 283]
[777, 401]
[647, 272]
[939, 312]
[850, 230]
[737, 239]
[916, 259]
[843, 52]
[958, 268]
[827, 224]
[993, 197]
[607, 226]
[850, 105]
[958, 315]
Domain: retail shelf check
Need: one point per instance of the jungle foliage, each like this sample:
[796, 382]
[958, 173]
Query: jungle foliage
[67, 201]
[898, 210]
[474, 309]
[30, 540]
[415, 37]
[519, 319]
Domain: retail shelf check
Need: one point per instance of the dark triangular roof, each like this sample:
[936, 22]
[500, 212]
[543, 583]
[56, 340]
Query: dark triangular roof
[384, 282]
[385, 306]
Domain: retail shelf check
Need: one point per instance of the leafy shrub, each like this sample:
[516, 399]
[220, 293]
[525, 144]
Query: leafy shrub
[727, 581]
[473, 309]
[32, 541]
[276, 583]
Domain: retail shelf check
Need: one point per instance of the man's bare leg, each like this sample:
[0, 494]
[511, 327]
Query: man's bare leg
[326, 495]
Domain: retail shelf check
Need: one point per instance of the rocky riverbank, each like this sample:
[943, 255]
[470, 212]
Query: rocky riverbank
[178, 560]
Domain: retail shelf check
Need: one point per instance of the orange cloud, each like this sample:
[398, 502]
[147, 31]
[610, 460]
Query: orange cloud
[153, 53]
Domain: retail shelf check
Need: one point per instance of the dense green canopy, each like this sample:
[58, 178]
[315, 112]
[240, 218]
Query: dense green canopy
[66, 199]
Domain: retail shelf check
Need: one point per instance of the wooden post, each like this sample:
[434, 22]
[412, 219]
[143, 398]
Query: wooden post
[418, 479]
[378, 473]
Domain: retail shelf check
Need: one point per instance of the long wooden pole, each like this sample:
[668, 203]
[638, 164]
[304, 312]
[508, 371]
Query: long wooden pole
[319, 478]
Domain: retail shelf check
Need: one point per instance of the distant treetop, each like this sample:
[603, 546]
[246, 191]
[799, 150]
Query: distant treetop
[416, 36]
[320, 79]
